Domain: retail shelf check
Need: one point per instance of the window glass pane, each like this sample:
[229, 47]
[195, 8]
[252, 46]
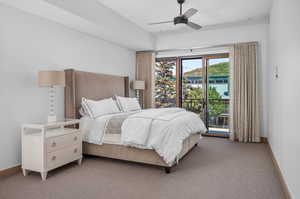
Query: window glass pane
[218, 77]
[192, 74]
[218, 70]
[165, 83]
[192, 88]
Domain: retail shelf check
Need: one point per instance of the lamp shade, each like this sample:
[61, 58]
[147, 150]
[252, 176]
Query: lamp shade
[138, 84]
[51, 78]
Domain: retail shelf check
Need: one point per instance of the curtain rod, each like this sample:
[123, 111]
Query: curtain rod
[202, 48]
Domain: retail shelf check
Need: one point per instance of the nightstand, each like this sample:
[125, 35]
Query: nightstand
[50, 145]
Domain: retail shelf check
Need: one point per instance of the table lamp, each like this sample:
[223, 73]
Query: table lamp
[51, 79]
[139, 85]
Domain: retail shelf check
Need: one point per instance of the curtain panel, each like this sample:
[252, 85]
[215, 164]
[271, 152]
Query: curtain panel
[145, 68]
[245, 125]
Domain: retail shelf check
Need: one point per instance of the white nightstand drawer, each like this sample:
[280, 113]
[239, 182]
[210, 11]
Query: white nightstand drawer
[59, 142]
[63, 156]
[46, 146]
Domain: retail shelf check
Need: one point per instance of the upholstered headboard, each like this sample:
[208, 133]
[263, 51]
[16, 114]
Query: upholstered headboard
[92, 86]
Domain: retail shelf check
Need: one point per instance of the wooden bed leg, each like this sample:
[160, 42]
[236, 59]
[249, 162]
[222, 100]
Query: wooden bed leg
[168, 170]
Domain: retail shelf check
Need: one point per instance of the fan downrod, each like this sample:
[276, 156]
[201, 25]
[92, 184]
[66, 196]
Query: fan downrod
[180, 18]
[180, 2]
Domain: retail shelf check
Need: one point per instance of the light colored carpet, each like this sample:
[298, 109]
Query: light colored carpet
[216, 169]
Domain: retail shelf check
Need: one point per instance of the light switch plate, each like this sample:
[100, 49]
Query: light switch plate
[276, 72]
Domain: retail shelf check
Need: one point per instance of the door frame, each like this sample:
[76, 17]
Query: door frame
[204, 83]
[179, 76]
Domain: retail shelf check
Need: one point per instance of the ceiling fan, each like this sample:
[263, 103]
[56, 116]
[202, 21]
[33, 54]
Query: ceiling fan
[182, 18]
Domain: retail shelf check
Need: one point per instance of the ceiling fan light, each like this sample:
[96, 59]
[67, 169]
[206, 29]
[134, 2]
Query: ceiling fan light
[181, 25]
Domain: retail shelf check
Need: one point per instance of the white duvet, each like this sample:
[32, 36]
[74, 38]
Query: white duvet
[162, 130]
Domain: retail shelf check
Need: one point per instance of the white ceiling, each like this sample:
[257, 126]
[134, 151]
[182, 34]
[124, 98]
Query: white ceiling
[211, 12]
[89, 16]
[123, 21]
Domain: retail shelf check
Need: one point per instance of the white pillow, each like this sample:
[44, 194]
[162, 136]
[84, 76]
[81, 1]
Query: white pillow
[85, 109]
[97, 108]
[128, 104]
[83, 113]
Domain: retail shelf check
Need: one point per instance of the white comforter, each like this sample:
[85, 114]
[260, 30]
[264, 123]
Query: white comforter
[163, 130]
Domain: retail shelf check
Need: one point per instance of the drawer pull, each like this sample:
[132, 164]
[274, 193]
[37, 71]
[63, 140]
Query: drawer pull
[75, 138]
[54, 144]
[53, 157]
[75, 150]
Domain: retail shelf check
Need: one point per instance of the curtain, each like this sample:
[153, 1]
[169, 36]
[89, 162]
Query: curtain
[245, 104]
[145, 68]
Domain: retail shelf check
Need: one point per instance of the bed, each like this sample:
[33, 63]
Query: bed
[99, 86]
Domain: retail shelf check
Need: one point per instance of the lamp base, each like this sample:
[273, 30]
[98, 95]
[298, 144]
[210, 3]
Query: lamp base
[52, 118]
[140, 98]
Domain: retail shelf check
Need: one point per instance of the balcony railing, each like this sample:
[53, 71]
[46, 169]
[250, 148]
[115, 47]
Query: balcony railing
[218, 110]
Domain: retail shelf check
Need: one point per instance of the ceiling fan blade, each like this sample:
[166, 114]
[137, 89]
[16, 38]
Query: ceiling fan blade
[194, 25]
[162, 22]
[190, 12]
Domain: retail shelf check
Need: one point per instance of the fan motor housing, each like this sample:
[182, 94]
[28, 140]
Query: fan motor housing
[180, 19]
[180, 1]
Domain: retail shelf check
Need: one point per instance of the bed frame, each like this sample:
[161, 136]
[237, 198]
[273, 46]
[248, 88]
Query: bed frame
[99, 86]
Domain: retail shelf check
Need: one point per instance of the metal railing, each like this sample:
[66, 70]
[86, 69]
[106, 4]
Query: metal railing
[217, 111]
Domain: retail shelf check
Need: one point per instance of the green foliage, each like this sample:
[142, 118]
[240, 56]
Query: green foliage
[165, 84]
[216, 106]
[194, 100]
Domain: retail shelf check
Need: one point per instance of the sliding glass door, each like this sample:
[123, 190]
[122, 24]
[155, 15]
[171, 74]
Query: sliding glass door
[218, 87]
[199, 84]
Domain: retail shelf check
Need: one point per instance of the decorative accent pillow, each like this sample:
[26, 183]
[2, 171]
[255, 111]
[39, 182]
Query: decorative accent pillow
[128, 104]
[98, 108]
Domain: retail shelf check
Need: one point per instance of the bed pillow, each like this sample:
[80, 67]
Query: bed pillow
[83, 113]
[117, 103]
[84, 108]
[98, 108]
[128, 104]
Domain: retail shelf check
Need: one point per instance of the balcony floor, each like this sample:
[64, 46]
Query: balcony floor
[218, 132]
